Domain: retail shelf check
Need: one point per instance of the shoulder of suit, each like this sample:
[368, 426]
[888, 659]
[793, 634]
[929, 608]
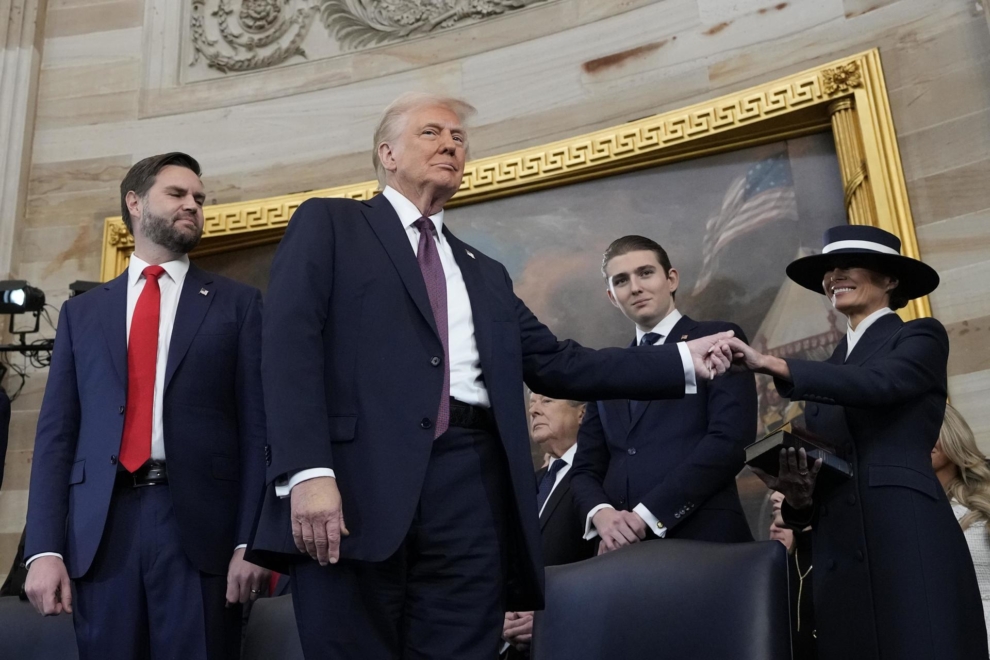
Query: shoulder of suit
[330, 206]
[926, 325]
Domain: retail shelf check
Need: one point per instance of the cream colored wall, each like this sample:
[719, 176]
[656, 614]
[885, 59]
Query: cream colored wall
[635, 59]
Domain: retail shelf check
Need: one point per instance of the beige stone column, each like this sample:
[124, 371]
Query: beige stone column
[852, 163]
[22, 25]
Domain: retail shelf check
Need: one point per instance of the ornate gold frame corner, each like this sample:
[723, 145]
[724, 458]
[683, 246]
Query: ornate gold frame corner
[847, 97]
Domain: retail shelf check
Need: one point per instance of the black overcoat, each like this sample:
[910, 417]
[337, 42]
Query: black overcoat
[893, 575]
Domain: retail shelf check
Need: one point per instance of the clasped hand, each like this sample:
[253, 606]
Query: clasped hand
[710, 355]
[618, 528]
[318, 519]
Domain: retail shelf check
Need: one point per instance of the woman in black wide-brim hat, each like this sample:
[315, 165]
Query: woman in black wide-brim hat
[893, 576]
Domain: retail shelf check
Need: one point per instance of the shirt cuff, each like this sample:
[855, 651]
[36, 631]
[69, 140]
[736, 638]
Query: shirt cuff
[651, 520]
[589, 529]
[690, 379]
[285, 483]
[43, 554]
[242, 545]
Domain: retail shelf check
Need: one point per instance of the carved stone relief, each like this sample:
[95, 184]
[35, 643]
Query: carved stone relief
[249, 35]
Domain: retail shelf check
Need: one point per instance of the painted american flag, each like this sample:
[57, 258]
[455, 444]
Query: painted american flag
[763, 195]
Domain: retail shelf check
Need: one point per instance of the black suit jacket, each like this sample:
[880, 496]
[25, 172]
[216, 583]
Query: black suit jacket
[351, 379]
[679, 458]
[562, 526]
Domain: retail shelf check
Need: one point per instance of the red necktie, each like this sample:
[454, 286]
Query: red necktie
[142, 354]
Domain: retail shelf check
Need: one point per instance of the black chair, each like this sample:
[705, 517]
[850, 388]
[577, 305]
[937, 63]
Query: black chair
[26, 635]
[669, 599]
[271, 632]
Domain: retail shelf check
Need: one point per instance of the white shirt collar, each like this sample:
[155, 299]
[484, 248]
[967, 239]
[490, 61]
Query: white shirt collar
[853, 336]
[175, 269]
[568, 456]
[407, 211]
[662, 328]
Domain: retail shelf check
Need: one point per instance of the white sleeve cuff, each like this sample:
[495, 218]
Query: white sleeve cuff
[43, 554]
[589, 528]
[690, 379]
[242, 545]
[651, 520]
[285, 483]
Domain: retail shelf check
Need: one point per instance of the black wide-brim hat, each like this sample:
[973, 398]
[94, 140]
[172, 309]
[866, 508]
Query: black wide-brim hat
[873, 248]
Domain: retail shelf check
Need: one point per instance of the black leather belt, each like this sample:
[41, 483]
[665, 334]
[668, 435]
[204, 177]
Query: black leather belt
[152, 473]
[465, 416]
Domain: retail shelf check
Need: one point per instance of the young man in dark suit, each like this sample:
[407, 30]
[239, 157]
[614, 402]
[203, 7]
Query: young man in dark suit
[553, 426]
[401, 482]
[662, 469]
[149, 456]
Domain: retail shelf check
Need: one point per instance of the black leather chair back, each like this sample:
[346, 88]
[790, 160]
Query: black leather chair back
[271, 632]
[687, 600]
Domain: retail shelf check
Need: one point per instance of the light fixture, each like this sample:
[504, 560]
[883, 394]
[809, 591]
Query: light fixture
[18, 297]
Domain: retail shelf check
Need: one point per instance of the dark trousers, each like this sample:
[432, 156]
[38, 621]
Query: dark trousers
[441, 595]
[142, 598]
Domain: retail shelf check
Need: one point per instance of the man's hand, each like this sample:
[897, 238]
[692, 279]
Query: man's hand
[48, 586]
[517, 629]
[245, 581]
[618, 528]
[318, 519]
[710, 355]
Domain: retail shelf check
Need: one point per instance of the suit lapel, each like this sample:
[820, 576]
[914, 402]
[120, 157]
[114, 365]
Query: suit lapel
[188, 317]
[556, 496]
[387, 226]
[113, 316]
[474, 283]
[683, 326]
[874, 337]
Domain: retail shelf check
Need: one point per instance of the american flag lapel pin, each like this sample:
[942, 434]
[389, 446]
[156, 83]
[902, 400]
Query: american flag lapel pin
[470, 254]
[203, 292]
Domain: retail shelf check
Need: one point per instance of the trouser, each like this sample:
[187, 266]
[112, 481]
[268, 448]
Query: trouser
[440, 596]
[142, 598]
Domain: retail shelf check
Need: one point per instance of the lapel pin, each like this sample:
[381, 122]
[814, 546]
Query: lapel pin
[683, 337]
[470, 254]
[203, 292]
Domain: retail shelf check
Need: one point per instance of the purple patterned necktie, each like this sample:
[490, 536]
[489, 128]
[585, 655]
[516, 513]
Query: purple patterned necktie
[436, 287]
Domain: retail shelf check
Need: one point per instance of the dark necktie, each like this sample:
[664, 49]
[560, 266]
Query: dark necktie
[436, 288]
[648, 339]
[142, 358]
[546, 483]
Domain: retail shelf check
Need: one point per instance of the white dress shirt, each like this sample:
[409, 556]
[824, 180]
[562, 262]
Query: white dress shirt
[568, 458]
[663, 328]
[170, 285]
[853, 336]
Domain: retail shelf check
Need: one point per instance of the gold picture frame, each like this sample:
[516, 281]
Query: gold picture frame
[847, 96]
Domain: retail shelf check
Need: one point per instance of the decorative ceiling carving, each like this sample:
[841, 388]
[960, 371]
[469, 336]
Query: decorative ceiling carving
[249, 35]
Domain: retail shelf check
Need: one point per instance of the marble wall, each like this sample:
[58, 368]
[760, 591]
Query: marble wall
[113, 87]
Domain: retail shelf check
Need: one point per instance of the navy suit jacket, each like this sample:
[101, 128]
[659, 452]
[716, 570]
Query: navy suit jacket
[351, 382]
[893, 575]
[679, 458]
[213, 420]
[562, 526]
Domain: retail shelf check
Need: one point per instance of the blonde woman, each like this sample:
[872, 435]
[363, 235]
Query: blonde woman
[962, 469]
